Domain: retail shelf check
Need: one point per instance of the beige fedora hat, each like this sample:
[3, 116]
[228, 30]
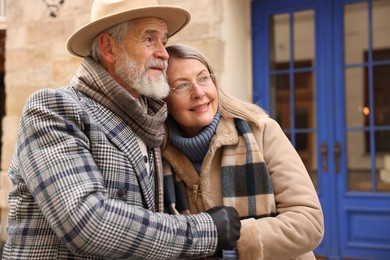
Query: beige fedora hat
[106, 13]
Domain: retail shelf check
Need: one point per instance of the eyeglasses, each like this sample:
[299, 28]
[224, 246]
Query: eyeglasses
[204, 80]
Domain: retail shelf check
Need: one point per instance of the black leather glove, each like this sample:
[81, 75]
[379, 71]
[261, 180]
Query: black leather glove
[228, 226]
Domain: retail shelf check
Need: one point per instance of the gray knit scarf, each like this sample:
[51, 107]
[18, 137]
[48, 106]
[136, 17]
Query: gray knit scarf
[195, 148]
[95, 82]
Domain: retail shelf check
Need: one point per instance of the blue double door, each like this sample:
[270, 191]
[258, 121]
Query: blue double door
[322, 70]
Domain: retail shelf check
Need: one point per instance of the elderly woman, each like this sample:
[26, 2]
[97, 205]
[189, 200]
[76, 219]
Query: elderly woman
[222, 151]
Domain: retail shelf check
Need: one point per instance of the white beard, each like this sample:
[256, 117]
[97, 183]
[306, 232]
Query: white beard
[137, 77]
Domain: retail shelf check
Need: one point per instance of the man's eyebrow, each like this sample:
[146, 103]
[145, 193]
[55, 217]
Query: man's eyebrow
[154, 33]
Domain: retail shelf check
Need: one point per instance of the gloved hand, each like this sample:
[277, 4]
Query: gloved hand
[228, 226]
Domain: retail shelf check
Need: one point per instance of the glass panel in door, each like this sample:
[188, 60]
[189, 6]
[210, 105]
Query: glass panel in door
[367, 95]
[364, 183]
[292, 84]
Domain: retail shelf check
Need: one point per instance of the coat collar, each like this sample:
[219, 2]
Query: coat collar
[226, 134]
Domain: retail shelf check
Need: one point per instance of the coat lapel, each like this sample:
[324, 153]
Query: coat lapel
[122, 136]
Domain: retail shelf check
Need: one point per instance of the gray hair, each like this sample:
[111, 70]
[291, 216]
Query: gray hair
[118, 32]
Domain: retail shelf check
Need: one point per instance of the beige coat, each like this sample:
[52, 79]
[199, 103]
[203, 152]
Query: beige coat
[296, 230]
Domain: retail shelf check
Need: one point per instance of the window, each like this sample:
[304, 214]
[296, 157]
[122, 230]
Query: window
[381, 100]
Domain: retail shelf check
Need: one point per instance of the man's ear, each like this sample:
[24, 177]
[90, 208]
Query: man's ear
[108, 48]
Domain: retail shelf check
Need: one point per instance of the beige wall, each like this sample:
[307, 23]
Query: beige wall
[36, 55]
[221, 30]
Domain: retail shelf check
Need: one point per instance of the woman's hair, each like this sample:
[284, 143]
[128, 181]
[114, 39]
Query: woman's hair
[229, 106]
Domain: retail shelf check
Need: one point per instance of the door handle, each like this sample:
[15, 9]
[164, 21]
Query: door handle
[337, 155]
[324, 153]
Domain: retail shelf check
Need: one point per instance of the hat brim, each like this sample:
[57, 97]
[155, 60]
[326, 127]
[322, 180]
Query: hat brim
[80, 42]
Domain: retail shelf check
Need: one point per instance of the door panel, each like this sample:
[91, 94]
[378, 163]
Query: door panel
[363, 195]
[292, 85]
[327, 82]
[286, 34]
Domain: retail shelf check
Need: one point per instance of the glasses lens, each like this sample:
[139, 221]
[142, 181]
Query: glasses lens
[183, 87]
[204, 80]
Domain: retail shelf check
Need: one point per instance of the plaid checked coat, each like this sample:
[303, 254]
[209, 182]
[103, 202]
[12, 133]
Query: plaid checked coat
[298, 225]
[80, 189]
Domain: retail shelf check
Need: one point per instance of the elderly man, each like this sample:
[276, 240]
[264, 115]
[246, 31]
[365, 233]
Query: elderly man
[87, 173]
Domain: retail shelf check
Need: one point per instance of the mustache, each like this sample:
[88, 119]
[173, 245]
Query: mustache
[157, 63]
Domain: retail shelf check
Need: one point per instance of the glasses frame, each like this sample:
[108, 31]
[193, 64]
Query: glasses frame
[186, 90]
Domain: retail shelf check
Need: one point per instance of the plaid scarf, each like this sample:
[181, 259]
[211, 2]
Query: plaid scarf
[246, 182]
[95, 82]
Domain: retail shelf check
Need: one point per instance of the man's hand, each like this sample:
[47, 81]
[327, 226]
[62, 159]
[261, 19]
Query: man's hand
[228, 226]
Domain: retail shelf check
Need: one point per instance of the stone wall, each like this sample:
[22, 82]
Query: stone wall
[36, 55]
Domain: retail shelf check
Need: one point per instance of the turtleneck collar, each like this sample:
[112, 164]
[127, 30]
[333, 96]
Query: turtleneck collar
[195, 148]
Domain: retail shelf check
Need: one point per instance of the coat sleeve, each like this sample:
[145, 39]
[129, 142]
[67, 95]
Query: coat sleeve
[55, 162]
[298, 227]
